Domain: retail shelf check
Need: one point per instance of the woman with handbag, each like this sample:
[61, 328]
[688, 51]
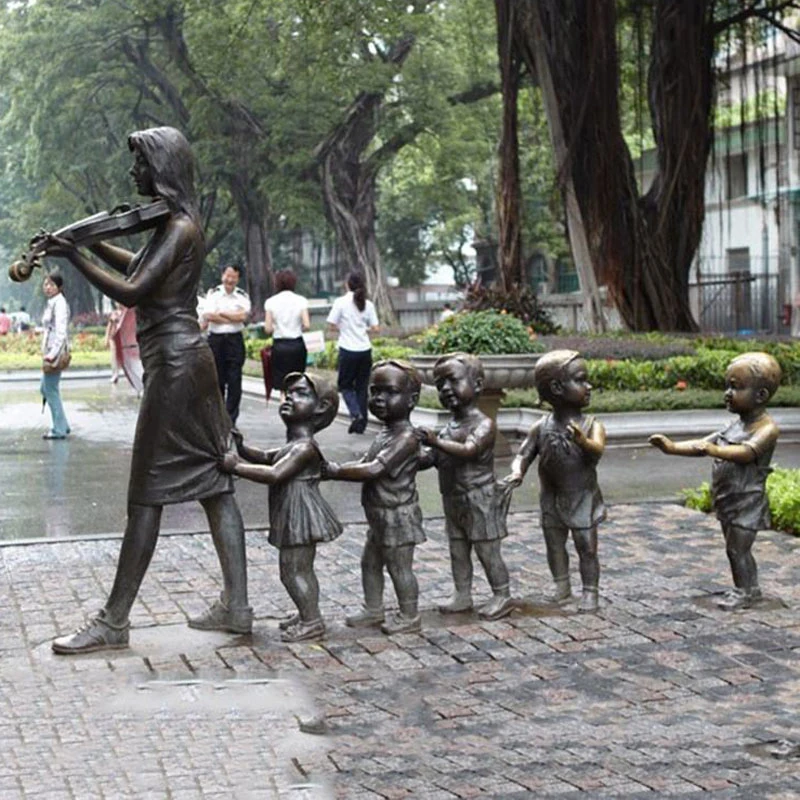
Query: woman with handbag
[55, 353]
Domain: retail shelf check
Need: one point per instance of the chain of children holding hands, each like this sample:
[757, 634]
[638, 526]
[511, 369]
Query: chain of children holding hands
[567, 443]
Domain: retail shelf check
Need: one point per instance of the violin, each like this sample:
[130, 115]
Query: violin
[123, 220]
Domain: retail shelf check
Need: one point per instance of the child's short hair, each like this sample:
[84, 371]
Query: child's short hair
[472, 363]
[550, 367]
[413, 380]
[763, 367]
[324, 390]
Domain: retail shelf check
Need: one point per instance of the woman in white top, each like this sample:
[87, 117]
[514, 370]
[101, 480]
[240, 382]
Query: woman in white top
[354, 318]
[55, 322]
[286, 317]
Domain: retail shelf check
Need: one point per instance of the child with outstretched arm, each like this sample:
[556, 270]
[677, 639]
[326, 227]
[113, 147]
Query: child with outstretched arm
[299, 517]
[474, 505]
[742, 452]
[389, 496]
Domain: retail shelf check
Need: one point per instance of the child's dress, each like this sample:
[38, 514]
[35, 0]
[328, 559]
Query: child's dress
[298, 513]
[569, 494]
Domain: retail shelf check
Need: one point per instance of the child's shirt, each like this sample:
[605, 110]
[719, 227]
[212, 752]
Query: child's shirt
[391, 502]
[464, 475]
[738, 490]
[400, 455]
[569, 493]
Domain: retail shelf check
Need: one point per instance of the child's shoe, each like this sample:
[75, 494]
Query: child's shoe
[735, 599]
[501, 605]
[287, 623]
[562, 592]
[588, 603]
[400, 623]
[366, 618]
[305, 631]
[460, 601]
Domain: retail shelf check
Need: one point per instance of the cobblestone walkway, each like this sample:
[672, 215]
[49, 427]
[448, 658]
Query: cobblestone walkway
[659, 695]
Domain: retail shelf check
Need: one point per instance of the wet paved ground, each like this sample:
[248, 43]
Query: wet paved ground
[658, 695]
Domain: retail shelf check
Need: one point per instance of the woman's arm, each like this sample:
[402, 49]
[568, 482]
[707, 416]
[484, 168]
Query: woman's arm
[269, 322]
[305, 320]
[175, 238]
[117, 258]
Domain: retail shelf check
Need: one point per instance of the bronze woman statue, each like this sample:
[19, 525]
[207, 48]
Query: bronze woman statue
[183, 428]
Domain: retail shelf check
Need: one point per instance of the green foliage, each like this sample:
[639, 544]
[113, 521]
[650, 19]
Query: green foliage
[783, 491]
[783, 495]
[486, 332]
[699, 499]
[381, 349]
[704, 369]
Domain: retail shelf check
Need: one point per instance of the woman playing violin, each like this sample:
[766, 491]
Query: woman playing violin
[183, 428]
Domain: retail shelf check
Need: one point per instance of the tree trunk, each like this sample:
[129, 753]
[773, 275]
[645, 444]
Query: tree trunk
[349, 180]
[254, 220]
[642, 246]
[508, 188]
[348, 190]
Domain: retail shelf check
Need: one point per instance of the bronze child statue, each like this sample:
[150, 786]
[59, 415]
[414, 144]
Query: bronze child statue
[474, 506]
[299, 516]
[389, 496]
[742, 453]
[569, 445]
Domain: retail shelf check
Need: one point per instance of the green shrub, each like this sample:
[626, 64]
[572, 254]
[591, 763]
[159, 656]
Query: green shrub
[699, 499]
[481, 332]
[783, 491]
[783, 495]
[381, 348]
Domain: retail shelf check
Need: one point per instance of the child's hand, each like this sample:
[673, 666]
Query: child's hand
[229, 462]
[238, 439]
[512, 481]
[329, 470]
[426, 436]
[578, 436]
[663, 443]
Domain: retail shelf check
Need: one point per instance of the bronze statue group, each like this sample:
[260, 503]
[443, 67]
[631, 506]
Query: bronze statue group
[184, 449]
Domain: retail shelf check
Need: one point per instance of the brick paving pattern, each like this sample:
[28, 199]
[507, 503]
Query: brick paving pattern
[659, 695]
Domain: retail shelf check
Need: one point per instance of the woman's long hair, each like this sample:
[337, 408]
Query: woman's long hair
[355, 283]
[172, 165]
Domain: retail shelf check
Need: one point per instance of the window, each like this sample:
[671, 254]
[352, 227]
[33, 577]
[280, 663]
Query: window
[736, 176]
[739, 261]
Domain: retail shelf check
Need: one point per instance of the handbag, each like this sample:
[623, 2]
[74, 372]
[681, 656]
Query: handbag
[61, 362]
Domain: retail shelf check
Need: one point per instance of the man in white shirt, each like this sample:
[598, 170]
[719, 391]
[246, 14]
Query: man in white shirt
[225, 311]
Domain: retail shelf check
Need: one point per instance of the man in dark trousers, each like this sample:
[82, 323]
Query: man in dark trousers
[224, 312]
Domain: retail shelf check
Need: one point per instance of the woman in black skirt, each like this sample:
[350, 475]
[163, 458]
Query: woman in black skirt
[286, 317]
[183, 429]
